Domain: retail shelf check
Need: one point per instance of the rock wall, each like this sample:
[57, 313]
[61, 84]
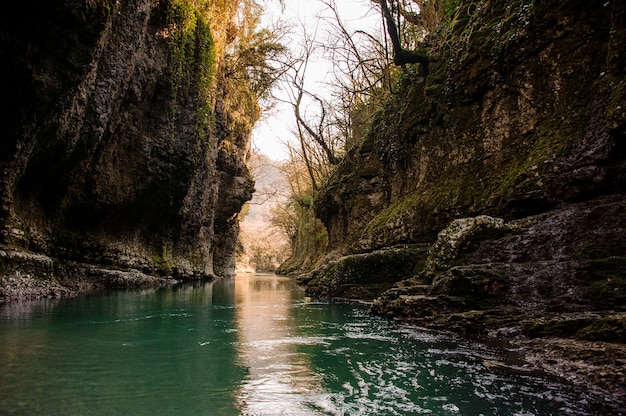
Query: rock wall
[523, 110]
[523, 113]
[509, 161]
[119, 149]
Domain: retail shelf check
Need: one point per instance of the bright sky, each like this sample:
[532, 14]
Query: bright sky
[273, 130]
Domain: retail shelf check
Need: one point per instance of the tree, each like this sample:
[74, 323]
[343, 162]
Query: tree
[363, 74]
[254, 60]
[402, 56]
[321, 144]
[295, 217]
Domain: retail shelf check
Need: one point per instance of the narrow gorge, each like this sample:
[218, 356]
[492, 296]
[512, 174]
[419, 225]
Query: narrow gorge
[484, 194]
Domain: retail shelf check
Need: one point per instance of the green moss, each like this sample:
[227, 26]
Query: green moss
[614, 87]
[366, 276]
[162, 262]
[193, 59]
[309, 243]
[106, 7]
[205, 61]
[392, 213]
[429, 209]
[607, 329]
[564, 328]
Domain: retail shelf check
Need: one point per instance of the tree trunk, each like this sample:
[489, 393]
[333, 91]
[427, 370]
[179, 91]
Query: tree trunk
[402, 56]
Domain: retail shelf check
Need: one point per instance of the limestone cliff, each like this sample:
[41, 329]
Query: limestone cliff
[523, 113]
[508, 161]
[120, 148]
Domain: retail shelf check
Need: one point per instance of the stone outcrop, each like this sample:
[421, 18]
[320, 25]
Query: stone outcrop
[509, 160]
[120, 150]
[364, 276]
[543, 265]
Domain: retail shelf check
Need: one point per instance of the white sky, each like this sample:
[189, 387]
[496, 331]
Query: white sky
[273, 130]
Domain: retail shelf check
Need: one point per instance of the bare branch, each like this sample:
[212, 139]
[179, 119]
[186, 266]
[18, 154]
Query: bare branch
[401, 56]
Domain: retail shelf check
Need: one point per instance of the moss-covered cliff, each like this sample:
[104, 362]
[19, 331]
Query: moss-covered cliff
[522, 113]
[121, 148]
[509, 160]
[523, 110]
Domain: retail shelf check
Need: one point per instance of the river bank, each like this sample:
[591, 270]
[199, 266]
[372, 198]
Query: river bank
[29, 276]
[550, 284]
[597, 366]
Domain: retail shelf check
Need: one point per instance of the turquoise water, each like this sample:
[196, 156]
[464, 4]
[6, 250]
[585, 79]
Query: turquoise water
[252, 345]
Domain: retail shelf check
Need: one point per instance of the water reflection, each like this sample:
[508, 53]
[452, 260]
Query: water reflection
[152, 352]
[280, 377]
[333, 359]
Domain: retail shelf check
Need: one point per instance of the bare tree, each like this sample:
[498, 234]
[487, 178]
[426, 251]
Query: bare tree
[363, 73]
[402, 56]
[319, 145]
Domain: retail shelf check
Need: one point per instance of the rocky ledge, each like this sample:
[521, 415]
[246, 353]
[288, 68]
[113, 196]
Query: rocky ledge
[26, 276]
[537, 283]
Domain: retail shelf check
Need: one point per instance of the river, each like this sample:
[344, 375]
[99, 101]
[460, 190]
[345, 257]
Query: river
[251, 345]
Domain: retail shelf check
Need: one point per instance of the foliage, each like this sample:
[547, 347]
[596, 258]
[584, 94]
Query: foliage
[209, 36]
[193, 56]
[308, 243]
[252, 63]
[364, 76]
[475, 24]
[296, 219]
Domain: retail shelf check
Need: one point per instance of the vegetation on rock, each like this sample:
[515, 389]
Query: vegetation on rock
[127, 134]
[520, 116]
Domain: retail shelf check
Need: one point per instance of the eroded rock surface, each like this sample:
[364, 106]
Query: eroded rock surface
[509, 160]
[120, 149]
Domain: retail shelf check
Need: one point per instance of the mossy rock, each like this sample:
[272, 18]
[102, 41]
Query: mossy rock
[607, 329]
[366, 276]
[562, 328]
[480, 285]
[606, 282]
[588, 328]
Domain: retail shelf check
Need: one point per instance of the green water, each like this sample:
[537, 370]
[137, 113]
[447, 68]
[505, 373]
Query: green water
[253, 346]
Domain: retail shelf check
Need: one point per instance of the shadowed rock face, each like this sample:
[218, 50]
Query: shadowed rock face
[113, 140]
[524, 114]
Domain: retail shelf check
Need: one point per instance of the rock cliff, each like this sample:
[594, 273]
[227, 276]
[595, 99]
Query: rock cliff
[509, 162]
[122, 156]
[523, 110]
